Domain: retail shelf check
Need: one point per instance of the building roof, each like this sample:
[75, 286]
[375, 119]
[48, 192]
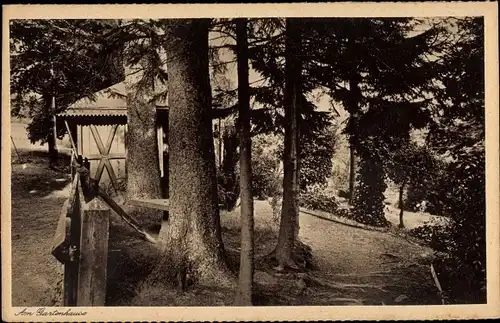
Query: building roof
[106, 109]
[110, 107]
[94, 111]
[100, 115]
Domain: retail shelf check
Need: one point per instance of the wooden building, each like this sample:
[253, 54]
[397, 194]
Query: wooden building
[97, 132]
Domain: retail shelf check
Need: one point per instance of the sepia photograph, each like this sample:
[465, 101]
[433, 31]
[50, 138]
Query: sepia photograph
[250, 163]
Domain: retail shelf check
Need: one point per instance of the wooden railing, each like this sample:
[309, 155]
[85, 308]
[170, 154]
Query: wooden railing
[81, 244]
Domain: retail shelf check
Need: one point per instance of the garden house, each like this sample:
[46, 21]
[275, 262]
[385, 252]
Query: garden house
[97, 129]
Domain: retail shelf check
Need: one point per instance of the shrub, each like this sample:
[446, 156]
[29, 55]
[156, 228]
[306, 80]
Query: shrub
[266, 170]
[467, 261]
[228, 189]
[433, 191]
[463, 270]
[438, 237]
[227, 198]
[265, 177]
[316, 152]
[318, 200]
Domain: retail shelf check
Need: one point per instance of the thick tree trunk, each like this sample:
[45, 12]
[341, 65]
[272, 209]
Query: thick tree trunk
[245, 281]
[191, 239]
[143, 173]
[289, 224]
[401, 205]
[143, 163]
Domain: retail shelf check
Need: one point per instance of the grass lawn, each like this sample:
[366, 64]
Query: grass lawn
[37, 195]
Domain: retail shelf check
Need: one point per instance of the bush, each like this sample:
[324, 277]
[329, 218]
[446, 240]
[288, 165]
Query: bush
[438, 237]
[266, 170]
[318, 200]
[265, 178]
[467, 262]
[228, 189]
[431, 191]
[462, 271]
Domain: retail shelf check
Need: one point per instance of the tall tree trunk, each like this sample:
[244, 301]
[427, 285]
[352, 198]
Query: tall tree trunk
[143, 162]
[191, 238]
[352, 106]
[143, 172]
[352, 173]
[289, 224]
[401, 204]
[51, 139]
[51, 143]
[245, 281]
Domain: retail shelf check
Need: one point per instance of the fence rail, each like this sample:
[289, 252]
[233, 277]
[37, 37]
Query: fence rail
[81, 244]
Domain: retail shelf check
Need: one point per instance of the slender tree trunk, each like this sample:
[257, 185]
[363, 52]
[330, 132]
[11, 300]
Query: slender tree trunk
[352, 174]
[51, 139]
[245, 281]
[191, 238]
[353, 108]
[401, 204]
[289, 225]
[53, 154]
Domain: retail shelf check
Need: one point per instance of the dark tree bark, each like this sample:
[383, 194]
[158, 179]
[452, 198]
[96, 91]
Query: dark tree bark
[191, 238]
[352, 106]
[289, 223]
[143, 172]
[352, 173]
[51, 139]
[401, 204]
[53, 154]
[245, 281]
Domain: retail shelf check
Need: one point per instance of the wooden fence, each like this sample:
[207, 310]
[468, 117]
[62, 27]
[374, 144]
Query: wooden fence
[81, 244]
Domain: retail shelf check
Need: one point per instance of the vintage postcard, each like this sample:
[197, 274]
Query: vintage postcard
[250, 162]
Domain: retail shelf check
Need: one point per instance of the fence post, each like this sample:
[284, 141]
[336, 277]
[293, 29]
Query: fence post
[93, 254]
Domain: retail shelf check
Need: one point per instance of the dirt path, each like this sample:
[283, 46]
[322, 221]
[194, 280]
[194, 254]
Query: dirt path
[358, 266]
